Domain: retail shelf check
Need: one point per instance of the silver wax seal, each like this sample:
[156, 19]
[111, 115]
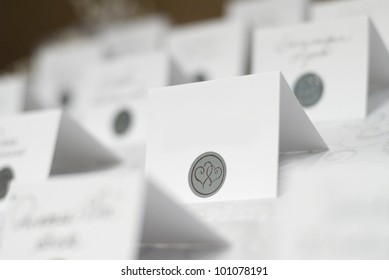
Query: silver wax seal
[6, 175]
[200, 78]
[65, 97]
[207, 174]
[122, 122]
[309, 89]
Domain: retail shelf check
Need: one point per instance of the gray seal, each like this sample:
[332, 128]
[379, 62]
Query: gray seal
[65, 97]
[309, 89]
[6, 175]
[207, 174]
[122, 122]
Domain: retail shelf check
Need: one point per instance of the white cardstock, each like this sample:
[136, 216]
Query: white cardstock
[112, 99]
[209, 50]
[12, 94]
[346, 58]
[38, 144]
[377, 10]
[57, 71]
[248, 121]
[266, 13]
[95, 217]
[138, 35]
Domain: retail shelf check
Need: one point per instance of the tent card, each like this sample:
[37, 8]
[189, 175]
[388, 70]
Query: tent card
[329, 65]
[209, 50]
[264, 13]
[36, 145]
[99, 217]
[12, 94]
[377, 10]
[112, 99]
[139, 35]
[220, 140]
[57, 71]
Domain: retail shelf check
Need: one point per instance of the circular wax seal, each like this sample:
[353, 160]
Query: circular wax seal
[6, 175]
[122, 122]
[201, 78]
[65, 98]
[309, 89]
[207, 174]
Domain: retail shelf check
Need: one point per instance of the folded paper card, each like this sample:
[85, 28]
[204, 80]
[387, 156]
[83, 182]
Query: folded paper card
[264, 13]
[220, 140]
[138, 35]
[12, 94]
[112, 99]
[36, 145]
[331, 65]
[377, 10]
[57, 71]
[96, 217]
[209, 50]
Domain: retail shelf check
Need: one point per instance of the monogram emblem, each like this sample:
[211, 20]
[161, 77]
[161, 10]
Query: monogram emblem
[207, 174]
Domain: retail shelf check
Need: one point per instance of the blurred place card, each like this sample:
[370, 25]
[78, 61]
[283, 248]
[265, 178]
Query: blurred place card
[138, 35]
[57, 71]
[12, 94]
[220, 140]
[331, 65]
[96, 217]
[112, 99]
[209, 50]
[36, 145]
[377, 10]
[264, 13]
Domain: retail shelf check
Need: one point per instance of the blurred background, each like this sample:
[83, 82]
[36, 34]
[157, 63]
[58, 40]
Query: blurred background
[24, 24]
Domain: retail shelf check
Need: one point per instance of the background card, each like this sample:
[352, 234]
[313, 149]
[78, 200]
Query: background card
[12, 94]
[265, 13]
[139, 35]
[377, 11]
[209, 50]
[329, 65]
[113, 97]
[58, 69]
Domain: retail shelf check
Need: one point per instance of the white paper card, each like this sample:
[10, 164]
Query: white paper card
[244, 123]
[209, 50]
[112, 99]
[95, 217]
[138, 35]
[330, 65]
[36, 145]
[265, 13]
[12, 94]
[377, 10]
[57, 71]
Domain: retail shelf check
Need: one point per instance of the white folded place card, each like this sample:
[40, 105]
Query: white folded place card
[330, 65]
[57, 71]
[36, 145]
[112, 98]
[138, 35]
[209, 50]
[264, 13]
[377, 10]
[96, 217]
[220, 140]
[12, 94]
